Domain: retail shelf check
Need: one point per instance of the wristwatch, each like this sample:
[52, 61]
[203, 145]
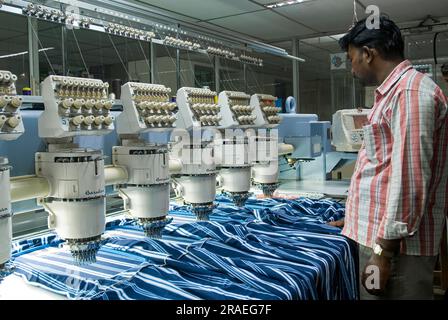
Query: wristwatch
[378, 250]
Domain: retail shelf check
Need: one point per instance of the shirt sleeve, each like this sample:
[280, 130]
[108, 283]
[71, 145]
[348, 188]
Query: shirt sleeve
[412, 126]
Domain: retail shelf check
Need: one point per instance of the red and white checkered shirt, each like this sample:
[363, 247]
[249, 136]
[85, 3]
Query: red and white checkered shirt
[399, 188]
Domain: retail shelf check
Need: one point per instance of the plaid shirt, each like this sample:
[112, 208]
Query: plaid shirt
[399, 188]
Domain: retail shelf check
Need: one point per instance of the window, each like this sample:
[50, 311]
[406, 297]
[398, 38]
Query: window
[323, 89]
[113, 59]
[420, 50]
[274, 78]
[231, 76]
[49, 44]
[165, 67]
[197, 70]
[14, 55]
[87, 53]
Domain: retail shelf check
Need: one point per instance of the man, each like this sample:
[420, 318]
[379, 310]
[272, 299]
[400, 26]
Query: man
[445, 72]
[397, 199]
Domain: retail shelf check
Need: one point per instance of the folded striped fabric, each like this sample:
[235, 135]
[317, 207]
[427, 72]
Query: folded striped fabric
[268, 250]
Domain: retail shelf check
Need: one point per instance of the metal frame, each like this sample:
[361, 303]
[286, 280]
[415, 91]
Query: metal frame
[33, 50]
[217, 65]
[295, 71]
[64, 50]
[126, 13]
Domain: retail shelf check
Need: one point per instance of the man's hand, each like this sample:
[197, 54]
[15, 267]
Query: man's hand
[376, 274]
[338, 223]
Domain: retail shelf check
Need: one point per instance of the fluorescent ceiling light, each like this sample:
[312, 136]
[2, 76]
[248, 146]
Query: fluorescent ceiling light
[284, 3]
[338, 36]
[295, 58]
[23, 53]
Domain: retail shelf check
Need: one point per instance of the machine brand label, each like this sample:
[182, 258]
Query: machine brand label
[94, 193]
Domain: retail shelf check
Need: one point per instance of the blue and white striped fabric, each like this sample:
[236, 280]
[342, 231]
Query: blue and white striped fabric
[302, 213]
[304, 209]
[233, 256]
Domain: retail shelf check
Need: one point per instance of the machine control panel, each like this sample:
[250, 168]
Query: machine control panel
[347, 129]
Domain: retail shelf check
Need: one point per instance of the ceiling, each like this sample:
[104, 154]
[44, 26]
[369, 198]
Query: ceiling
[317, 22]
[304, 20]
[248, 17]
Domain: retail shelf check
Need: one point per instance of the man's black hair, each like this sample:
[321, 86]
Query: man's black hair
[444, 69]
[387, 39]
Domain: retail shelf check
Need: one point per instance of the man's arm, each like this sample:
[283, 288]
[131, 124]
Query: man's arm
[337, 223]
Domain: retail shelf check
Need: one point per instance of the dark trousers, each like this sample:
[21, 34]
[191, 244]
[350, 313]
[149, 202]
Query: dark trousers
[411, 277]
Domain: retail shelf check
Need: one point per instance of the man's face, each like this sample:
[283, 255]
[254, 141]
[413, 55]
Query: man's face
[361, 69]
[445, 77]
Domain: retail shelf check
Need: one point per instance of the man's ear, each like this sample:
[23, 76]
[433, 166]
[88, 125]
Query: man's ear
[368, 54]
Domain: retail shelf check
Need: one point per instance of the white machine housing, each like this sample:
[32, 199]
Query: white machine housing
[232, 150]
[147, 191]
[265, 166]
[235, 179]
[11, 128]
[197, 181]
[232, 156]
[76, 203]
[265, 173]
[75, 107]
[235, 110]
[347, 129]
[146, 107]
[146, 194]
[196, 158]
[265, 155]
[197, 189]
[197, 108]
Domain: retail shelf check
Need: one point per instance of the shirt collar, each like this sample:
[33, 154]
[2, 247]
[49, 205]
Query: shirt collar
[393, 77]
